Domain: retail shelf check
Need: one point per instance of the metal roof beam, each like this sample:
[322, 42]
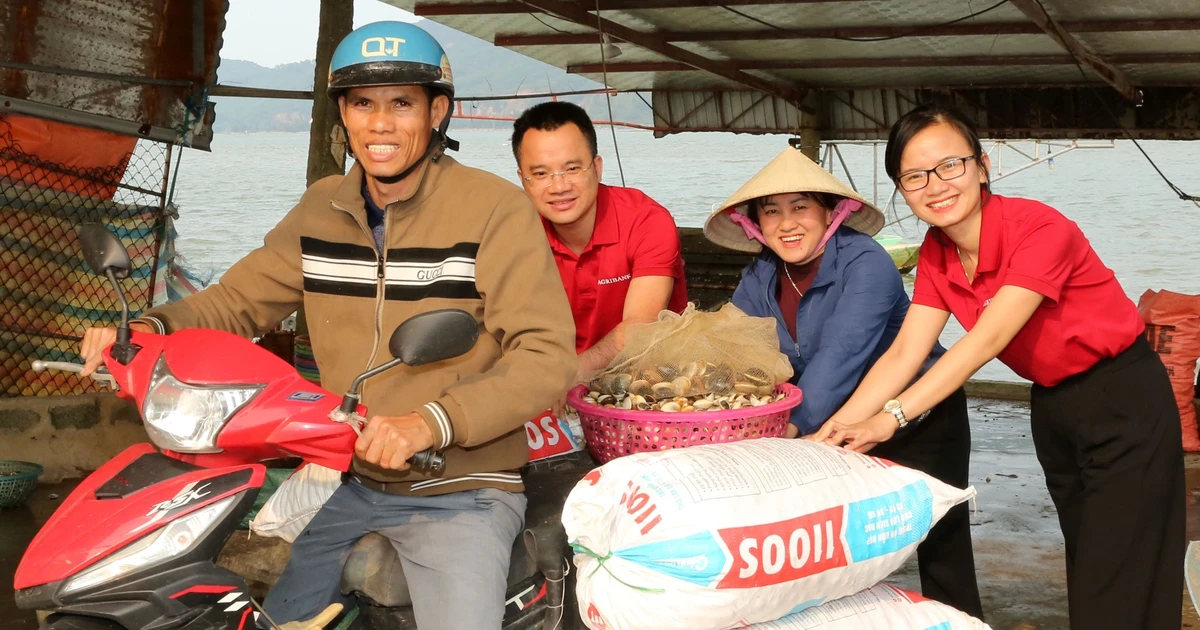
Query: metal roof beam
[431, 9]
[574, 12]
[885, 62]
[1036, 12]
[854, 32]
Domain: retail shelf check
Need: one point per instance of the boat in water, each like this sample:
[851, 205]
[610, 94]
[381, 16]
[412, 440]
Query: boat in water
[902, 253]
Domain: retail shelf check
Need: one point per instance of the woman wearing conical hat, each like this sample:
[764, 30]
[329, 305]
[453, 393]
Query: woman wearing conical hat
[838, 302]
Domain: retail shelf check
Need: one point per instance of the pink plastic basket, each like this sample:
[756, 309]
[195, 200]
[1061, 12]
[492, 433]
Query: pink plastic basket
[613, 433]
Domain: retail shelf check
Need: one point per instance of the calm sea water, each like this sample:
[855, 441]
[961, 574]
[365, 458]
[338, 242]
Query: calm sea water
[230, 197]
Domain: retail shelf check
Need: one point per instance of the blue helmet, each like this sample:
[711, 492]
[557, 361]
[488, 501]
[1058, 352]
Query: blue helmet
[389, 53]
[394, 53]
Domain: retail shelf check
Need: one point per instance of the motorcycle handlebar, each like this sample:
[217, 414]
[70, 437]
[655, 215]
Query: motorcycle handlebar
[101, 374]
[428, 460]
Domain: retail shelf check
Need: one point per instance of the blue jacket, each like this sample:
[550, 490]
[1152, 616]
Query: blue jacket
[846, 320]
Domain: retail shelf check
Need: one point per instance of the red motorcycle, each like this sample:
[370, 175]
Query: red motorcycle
[135, 545]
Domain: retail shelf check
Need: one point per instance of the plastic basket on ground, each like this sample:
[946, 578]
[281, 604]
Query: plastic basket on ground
[17, 481]
[611, 432]
[304, 360]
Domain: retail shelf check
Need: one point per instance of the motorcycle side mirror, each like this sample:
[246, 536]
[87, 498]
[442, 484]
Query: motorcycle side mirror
[103, 251]
[106, 256]
[434, 336]
[421, 340]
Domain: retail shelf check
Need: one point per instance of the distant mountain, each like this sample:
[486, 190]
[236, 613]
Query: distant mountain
[480, 69]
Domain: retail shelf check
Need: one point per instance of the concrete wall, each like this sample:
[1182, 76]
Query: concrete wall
[68, 435]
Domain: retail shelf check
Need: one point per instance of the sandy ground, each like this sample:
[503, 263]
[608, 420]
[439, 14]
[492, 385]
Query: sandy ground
[1018, 548]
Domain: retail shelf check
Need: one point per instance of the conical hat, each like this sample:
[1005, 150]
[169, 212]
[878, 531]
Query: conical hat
[790, 171]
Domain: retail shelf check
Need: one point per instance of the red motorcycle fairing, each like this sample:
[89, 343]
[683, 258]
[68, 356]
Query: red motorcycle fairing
[290, 417]
[127, 498]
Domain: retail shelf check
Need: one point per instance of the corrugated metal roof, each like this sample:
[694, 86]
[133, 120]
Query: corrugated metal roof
[807, 49]
[123, 65]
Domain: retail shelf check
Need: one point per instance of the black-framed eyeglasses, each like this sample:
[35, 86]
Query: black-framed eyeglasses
[569, 174]
[946, 171]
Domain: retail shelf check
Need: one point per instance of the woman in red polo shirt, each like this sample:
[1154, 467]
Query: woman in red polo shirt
[1027, 286]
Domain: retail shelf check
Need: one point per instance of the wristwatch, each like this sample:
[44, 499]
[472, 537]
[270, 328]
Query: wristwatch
[893, 407]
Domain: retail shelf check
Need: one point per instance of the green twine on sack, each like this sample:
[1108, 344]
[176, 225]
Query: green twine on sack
[600, 565]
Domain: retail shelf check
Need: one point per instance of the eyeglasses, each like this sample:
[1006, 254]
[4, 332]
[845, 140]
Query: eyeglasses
[946, 171]
[570, 175]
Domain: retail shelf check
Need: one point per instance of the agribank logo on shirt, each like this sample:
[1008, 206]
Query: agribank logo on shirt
[604, 281]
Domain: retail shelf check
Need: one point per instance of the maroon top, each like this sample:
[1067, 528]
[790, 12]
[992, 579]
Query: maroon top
[785, 293]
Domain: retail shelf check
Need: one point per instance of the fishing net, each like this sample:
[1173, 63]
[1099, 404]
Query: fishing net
[696, 353]
[48, 296]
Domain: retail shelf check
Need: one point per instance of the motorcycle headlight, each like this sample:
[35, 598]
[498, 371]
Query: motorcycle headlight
[176, 539]
[187, 418]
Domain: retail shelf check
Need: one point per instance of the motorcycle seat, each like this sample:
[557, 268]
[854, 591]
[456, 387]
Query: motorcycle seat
[374, 571]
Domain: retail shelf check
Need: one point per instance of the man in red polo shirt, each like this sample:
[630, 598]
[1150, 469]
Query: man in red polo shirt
[617, 249]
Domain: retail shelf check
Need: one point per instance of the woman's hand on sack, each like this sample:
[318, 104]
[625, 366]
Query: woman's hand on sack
[389, 441]
[860, 436]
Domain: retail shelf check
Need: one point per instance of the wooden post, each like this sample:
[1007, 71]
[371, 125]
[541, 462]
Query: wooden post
[325, 157]
[810, 144]
[326, 140]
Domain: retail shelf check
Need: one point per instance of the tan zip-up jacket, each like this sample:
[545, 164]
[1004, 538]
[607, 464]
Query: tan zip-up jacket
[464, 239]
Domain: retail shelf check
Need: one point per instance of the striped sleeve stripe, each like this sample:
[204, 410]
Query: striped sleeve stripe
[443, 420]
[155, 322]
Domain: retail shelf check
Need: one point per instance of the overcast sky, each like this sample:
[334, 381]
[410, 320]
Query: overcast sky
[274, 32]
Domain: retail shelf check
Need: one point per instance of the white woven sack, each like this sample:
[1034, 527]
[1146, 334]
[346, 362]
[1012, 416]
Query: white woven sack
[712, 537]
[296, 501]
[882, 606]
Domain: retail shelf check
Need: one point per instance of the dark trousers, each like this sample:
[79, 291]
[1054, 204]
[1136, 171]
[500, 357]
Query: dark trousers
[940, 446]
[1110, 444]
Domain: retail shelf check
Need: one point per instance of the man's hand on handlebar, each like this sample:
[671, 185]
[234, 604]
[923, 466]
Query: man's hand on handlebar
[95, 340]
[389, 441]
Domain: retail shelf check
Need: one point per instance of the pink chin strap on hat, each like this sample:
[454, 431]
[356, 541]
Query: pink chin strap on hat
[843, 209]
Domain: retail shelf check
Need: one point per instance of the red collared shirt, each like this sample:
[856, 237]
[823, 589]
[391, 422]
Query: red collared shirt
[634, 236]
[1086, 316]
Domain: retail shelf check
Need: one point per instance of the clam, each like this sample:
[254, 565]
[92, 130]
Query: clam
[743, 387]
[625, 402]
[703, 404]
[651, 375]
[718, 380]
[606, 399]
[765, 390]
[694, 369]
[682, 385]
[640, 387]
[669, 372]
[756, 376]
[670, 406]
[662, 390]
[621, 383]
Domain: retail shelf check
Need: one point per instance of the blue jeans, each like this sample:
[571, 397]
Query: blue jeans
[454, 548]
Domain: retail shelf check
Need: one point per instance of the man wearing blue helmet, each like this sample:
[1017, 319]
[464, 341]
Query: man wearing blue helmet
[407, 230]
